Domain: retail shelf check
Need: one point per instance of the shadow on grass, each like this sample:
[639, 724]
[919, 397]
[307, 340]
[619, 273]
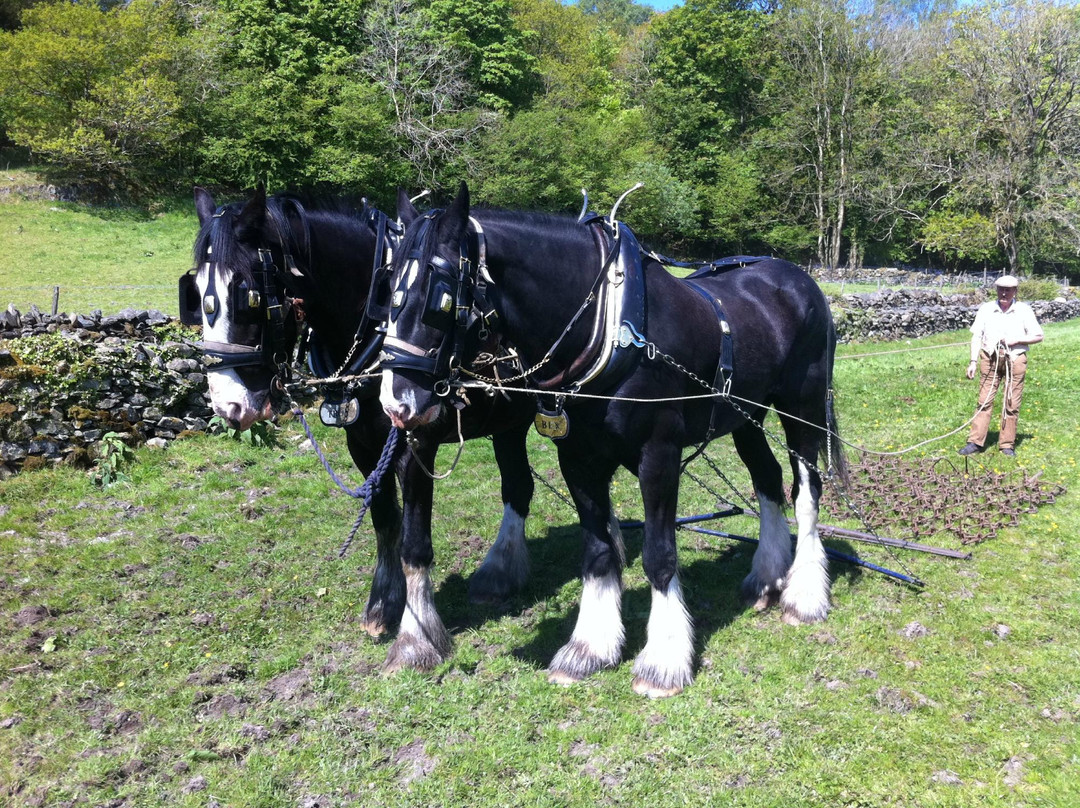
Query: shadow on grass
[711, 577]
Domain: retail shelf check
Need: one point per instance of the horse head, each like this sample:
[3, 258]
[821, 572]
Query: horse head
[431, 320]
[237, 294]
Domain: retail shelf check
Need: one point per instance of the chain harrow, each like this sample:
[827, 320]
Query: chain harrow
[912, 500]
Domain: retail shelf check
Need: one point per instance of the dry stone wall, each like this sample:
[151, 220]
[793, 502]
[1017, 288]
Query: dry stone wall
[910, 313]
[117, 374]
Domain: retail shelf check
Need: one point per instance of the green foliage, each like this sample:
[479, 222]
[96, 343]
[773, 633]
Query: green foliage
[576, 57]
[543, 158]
[706, 68]
[619, 16]
[501, 68]
[1038, 289]
[114, 456]
[284, 78]
[705, 71]
[963, 235]
[262, 434]
[54, 360]
[97, 94]
[821, 128]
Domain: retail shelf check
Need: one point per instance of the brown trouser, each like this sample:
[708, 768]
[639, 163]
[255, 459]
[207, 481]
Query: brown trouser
[994, 370]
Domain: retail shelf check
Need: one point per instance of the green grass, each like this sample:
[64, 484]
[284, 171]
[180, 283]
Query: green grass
[101, 258]
[200, 626]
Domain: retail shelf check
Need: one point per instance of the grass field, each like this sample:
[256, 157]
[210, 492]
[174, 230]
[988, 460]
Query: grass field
[188, 637]
[101, 258]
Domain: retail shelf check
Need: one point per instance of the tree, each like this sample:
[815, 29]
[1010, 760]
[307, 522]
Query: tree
[499, 65]
[822, 83]
[698, 83]
[96, 94]
[575, 56]
[423, 82]
[620, 16]
[1013, 150]
[279, 66]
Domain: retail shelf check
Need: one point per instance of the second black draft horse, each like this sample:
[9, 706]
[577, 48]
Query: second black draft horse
[256, 261]
[540, 284]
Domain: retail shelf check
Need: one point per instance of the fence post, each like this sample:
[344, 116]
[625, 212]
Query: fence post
[55, 300]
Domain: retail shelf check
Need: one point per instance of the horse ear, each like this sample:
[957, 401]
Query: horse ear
[204, 204]
[253, 216]
[406, 210]
[458, 212]
[460, 205]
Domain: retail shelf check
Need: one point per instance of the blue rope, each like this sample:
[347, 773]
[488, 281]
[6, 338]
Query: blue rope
[371, 486]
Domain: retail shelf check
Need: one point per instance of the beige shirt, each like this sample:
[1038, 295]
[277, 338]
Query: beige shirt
[992, 326]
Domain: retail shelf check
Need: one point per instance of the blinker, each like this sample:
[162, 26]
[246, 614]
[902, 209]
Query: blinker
[189, 300]
[439, 303]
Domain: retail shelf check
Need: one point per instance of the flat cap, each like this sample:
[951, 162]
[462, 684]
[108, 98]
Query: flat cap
[1007, 281]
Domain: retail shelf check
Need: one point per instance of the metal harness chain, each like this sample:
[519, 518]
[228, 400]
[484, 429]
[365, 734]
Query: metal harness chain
[411, 439]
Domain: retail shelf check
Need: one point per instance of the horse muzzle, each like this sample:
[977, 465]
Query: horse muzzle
[407, 405]
[235, 403]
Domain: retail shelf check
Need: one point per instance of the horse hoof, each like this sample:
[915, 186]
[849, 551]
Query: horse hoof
[794, 618]
[764, 601]
[486, 596]
[562, 678]
[576, 661]
[373, 627]
[644, 687]
[409, 654]
[759, 594]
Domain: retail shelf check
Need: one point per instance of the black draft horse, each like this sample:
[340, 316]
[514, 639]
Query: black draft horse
[254, 257]
[541, 285]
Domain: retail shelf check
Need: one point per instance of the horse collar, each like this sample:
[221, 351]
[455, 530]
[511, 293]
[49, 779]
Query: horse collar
[619, 322]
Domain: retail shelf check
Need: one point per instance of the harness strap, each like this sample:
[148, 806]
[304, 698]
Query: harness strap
[724, 367]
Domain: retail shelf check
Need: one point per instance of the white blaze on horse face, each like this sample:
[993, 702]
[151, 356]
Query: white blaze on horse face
[229, 396]
[399, 401]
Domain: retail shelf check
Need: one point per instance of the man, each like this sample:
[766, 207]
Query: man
[1000, 337]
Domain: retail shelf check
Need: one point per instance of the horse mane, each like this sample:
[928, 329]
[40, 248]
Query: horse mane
[220, 232]
[543, 224]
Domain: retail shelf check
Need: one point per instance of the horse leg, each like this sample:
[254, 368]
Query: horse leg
[806, 597]
[665, 665]
[386, 601]
[598, 637]
[422, 641]
[506, 567]
[769, 569]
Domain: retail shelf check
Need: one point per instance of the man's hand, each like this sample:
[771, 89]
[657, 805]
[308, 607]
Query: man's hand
[971, 369]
